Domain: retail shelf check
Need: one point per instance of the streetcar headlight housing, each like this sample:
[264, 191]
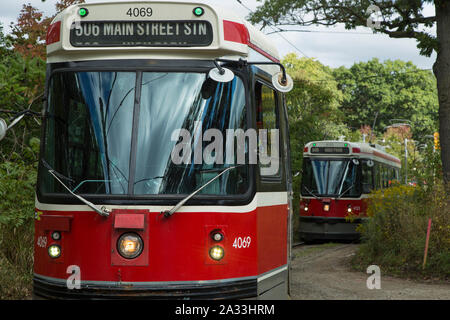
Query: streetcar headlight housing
[130, 245]
[216, 253]
[54, 251]
[326, 207]
[217, 235]
[349, 209]
[56, 235]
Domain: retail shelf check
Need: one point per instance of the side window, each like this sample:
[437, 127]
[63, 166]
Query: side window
[367, 178]
[268, 131]
[385, 177]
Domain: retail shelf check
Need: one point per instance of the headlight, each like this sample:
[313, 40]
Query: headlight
[326, 207]
[54, 251]
[130, 245]
[349, 209]
[216, 253]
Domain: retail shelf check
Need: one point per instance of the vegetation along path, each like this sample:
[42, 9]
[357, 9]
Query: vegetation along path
[323, 271]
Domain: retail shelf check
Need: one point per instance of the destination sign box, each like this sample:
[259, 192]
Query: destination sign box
[336, 150]
[141, 33]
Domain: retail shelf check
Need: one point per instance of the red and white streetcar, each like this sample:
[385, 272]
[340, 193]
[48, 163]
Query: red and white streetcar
[131, 86]
[337, 178]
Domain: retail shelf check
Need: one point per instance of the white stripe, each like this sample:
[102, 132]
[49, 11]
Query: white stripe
[261, 199]
[271, 274]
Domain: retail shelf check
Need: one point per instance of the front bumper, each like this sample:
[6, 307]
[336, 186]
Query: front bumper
[50, 288]
[326, 228]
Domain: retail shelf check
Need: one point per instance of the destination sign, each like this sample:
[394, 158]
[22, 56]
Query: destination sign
[141, 33]
[336, 150]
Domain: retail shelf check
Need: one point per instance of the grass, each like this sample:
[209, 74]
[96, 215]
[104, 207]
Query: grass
[315, 249]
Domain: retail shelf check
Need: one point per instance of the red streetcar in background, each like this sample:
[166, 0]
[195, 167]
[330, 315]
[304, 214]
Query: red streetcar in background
[116, 217]
[337, 178]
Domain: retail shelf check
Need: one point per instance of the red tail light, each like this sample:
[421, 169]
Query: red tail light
[305, 149]
[356, 150]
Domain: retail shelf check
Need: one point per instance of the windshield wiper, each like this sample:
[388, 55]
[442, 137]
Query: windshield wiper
[104, 212]
[345, 192]
[170, 212]
[310, 192]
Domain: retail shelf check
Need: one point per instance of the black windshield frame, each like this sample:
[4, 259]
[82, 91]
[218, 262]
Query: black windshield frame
[194, 66]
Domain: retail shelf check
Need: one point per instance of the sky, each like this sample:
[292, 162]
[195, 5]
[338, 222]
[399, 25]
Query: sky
[333, 47]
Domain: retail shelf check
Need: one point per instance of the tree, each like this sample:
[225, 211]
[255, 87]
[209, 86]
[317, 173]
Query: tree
[401, 19]
[313, 110]
[375, 93]
[29, 32]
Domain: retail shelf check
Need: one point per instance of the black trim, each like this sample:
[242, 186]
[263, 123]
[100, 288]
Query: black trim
[135, 132]
[235, 289]
[138, 65]
[330, 220]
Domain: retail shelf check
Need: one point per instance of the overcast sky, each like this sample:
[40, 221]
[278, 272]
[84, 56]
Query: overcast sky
[334, 47]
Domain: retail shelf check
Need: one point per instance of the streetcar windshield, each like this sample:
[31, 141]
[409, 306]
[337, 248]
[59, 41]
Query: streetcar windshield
[331, 178]
[115, 132]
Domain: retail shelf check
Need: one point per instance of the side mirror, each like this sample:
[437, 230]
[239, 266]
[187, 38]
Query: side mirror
[282, 85]
[3, 128]
[220, 74]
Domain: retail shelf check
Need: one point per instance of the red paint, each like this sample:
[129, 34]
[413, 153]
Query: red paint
[264, 53]
[238, 32]
[129, 221]
[54, 33]
[176, 247]
[384, 156]
[235, 32]
[56, 223]
[272, 234]
[338, 208]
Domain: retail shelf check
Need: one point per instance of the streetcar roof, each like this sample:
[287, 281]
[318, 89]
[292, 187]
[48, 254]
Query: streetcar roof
[232, 37]
[346, 149]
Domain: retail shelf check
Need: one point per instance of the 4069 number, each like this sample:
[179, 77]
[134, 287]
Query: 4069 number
[242, 242]
[140, 12]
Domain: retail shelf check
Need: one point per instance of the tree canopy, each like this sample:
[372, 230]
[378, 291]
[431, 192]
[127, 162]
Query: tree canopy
[375, 93]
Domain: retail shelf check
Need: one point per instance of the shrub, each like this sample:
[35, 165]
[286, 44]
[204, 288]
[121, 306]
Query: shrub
[17, 182]
[394, 237]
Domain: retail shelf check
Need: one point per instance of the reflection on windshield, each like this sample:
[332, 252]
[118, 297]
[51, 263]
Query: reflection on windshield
[89, 132]
[330, 178]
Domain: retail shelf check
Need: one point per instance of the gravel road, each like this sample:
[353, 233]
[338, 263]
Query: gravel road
[323, 272]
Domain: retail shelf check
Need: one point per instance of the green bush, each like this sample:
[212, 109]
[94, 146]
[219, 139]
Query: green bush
[394, 237]
[17, 183]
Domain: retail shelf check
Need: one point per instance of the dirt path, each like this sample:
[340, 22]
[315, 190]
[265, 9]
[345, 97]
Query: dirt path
[323, 272]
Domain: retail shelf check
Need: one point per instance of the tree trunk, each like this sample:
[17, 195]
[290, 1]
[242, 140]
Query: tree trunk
[441, 70]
